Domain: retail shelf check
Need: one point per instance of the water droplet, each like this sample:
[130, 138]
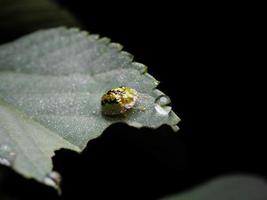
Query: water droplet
[163, 110]
[156, 82]
[175, 128]
[161, 103]
[163, 100]
[7, 156]
[53, 179]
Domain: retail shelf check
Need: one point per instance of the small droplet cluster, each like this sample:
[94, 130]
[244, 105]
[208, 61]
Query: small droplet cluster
[7, 156]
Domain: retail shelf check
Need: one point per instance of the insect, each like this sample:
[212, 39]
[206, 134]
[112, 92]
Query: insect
[119, 100]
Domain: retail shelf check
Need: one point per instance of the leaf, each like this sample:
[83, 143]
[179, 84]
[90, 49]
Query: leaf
[51, 85]
[235, 187]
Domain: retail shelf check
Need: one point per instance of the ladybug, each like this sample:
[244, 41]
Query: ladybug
[119, 100]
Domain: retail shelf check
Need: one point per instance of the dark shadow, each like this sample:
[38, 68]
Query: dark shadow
[124, 163]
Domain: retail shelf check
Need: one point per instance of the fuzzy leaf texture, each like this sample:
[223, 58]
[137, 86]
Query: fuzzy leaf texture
[51, 83]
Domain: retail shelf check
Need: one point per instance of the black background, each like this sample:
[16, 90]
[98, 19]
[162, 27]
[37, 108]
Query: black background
[205, 58]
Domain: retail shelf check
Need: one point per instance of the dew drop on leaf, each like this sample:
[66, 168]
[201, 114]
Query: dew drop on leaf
[53, 179]
[7, 156]
[162, 110]
[161, 105]
[163, 100]
[175, 128]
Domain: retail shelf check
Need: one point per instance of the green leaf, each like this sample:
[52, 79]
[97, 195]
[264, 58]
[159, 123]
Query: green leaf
[235, 187]
[51, 85]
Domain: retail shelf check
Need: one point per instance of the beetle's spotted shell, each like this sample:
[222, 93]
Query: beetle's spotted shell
[118, 100]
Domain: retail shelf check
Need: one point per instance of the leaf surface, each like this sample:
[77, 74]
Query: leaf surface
[51, 85]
